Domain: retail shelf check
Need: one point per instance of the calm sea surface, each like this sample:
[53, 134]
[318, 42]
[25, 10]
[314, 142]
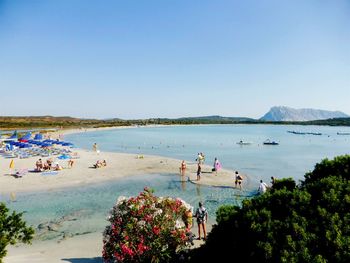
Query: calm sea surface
[77, 211]
[295, 155]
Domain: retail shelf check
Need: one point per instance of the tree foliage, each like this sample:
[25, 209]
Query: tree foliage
[305, 223]
[12, 230]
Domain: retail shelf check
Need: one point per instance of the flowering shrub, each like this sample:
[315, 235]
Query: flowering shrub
[145, 228]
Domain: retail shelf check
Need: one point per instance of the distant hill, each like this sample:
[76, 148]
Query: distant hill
[216, 118]
[331, 122]
[282, 113]
[53, 122]
[28, 122]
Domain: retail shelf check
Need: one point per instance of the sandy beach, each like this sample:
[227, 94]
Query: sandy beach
[87, 248]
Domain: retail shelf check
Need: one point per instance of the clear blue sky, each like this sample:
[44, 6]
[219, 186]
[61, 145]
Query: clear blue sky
[172, 58]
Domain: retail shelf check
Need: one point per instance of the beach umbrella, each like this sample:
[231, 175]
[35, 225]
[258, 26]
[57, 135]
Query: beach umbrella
[38, 136]
[26, 137]
[14, 135]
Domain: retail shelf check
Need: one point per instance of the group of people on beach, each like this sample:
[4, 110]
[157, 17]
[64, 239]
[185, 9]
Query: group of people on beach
[201, 214]
[48, 165]
[100, 164]
[200, 161]
[238, 178]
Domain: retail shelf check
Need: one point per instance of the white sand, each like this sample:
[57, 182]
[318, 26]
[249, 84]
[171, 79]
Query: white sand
[87, 248]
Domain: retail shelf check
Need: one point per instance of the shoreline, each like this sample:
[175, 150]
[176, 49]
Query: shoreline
[88, 247]
[119, 165]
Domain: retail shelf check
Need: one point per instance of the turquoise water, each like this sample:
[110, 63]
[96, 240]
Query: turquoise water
[78, 211]
[295, 155]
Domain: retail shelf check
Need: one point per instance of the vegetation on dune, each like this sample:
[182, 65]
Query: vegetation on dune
[309, 222]
[69, 122]
[12, 230]
[56, 122]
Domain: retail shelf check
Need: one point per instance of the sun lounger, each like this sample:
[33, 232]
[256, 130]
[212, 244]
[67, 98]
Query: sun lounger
[75, 155]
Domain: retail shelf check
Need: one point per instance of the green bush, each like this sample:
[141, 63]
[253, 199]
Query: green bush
[287, 183]
[12, 230]
[306, 223]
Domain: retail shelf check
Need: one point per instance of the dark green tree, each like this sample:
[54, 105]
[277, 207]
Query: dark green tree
[305, 223]
[12, 230]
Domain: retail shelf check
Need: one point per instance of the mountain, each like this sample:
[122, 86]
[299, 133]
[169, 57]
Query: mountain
[282, 113]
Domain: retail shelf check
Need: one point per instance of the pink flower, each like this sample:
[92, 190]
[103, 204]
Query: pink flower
[141, 248]
[126, 250]
[139, 224]
[156, 230]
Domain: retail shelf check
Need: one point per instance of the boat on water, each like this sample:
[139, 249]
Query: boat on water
[343, 133]
[244, 143]
[297, 132]
[305, 133]
[268, 142]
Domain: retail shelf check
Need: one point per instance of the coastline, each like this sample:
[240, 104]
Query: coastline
[88, 247]
[119, 165]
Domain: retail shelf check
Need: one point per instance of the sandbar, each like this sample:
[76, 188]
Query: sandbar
[87, 248]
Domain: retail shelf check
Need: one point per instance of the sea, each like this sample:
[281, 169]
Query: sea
[58, 214]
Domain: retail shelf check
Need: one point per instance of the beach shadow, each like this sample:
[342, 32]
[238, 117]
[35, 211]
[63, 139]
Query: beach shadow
[34, 171]
[84, 260]
[12, 175]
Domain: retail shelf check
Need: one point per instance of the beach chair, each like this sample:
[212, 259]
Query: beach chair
[74, 155]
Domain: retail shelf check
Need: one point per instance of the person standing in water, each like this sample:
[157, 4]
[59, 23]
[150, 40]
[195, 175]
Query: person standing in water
[216, 166]
[94, 147]
[199, 172]
[238, 180]
[183, 168]
[262, 187]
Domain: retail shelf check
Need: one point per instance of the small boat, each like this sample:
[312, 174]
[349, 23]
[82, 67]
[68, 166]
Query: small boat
[244, 143]
[314, 133]
[297, 132]
[305, 133]
[343, 133]
[268, 142]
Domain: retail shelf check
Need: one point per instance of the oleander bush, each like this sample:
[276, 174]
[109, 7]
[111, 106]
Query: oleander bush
[146, 228]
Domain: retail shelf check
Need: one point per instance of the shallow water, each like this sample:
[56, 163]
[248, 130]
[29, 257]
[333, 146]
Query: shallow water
[77, 211]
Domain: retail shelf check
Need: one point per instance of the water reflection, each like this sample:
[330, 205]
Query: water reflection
[183, 183]
[198, 190]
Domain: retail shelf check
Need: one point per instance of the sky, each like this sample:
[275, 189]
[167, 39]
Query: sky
[172, 58]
